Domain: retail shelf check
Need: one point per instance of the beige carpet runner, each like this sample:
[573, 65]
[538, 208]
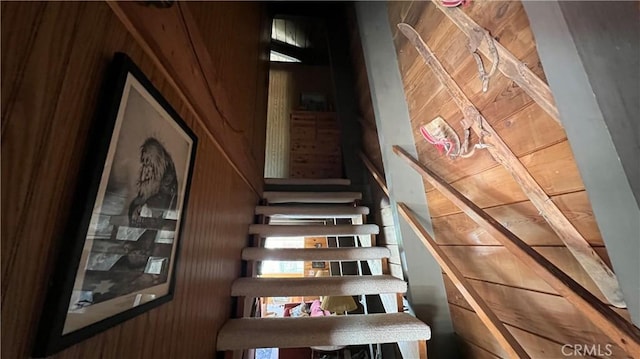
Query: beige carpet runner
[321, 331]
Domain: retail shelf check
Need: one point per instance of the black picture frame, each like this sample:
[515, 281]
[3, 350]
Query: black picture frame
[317, 264]
[118, 255]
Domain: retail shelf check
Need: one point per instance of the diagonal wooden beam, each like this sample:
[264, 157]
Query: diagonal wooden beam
[486, 315]
[508, 64]
[619, 330]
[603, 277]
[377, 176]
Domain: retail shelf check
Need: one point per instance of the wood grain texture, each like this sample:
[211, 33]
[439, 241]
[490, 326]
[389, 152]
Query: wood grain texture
[500, 151]
[547, 315]
[172, 38]
[51, 104]
[524, 220]
[524, 126]
[504, 100]
[508, 64]
[473, 298]
[315, 150]
[552, 168]
[619, 331]
[373, 171]
[474, 331]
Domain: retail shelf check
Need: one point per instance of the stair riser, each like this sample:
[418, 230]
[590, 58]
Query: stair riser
[316, 254]
[320, 286]
[265, 230]
[311, 197]
[317, 211]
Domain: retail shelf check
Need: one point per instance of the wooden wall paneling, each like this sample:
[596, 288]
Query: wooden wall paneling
[476, 301]
[470, 329]
[553, 169]
[577, 208]
[543, 314]
[241, 59]
[510, 64]
[398, 10]
[62, 93]
[524, 220]
[557, 176]
[474, 331]
[32, 184]
[166, 34]
[507, 191]
[466, 74]
[496, 264]
[258, 142]
[520, 218]
[19, 42]
[471, 350]
[528, 130]
[620, 331]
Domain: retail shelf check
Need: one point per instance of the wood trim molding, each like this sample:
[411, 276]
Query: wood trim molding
[603, 277]
[619, 330]
[377, 176]
[486, 315]
[508, 64]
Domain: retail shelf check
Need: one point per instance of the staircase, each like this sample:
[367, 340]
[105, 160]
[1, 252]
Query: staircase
[285, 208]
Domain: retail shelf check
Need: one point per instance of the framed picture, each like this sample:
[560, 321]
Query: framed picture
[119, 252]
[313, 101]
[317, 264]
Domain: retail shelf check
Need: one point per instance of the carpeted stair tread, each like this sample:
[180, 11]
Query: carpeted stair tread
[247, 333]
[317, 286]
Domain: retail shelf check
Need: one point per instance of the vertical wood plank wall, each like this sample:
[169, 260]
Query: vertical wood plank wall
[54, 57]
[276, 164]
[539, 318]
[286, 83]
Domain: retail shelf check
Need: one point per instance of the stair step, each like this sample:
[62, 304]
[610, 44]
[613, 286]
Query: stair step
[312, 286]
[292, 332]
[308, 181]
[275, 230]
[315, 254]
[311, 197]
[311, 211]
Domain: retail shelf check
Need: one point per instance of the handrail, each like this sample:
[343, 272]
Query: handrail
[486, 315]
[618, 329]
